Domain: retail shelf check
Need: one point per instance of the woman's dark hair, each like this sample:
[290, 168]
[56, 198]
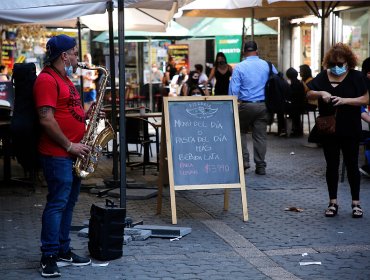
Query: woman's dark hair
[193, 88]
[366, 66]
[305, 72]
[199, 67]
[337, 52]
[2, 67]
[181, 77]
[219, 54]
[291, 73]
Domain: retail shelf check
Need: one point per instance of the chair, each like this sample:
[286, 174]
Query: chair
[309, 108]
[137, 132]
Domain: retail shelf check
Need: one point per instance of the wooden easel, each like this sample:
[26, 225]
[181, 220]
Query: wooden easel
[166, 173]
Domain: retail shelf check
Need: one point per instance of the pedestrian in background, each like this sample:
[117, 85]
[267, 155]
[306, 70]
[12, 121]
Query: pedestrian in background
[62, 119]
[171, 71]
[248, 84]
[365, 116]
[202, 76]
[4, 73]
[341, 91]
[177, 82]
[89, 87]
[306, 74]
[297, 101]
[222, 72]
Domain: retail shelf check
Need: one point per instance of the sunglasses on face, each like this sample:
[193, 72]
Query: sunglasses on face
[339, 64]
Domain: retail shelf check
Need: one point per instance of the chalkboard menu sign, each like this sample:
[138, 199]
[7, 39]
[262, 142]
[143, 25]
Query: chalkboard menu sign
[202, 147]
[203, 142]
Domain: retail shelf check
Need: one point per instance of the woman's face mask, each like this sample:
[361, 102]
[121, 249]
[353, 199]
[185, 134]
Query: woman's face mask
[338, 69]
[222, 62]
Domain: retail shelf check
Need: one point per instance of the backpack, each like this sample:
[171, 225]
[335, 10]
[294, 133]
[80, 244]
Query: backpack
[276, 89]
[25, 126]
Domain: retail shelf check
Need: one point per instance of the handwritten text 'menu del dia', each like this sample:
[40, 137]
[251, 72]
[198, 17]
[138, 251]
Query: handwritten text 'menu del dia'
[200, 124]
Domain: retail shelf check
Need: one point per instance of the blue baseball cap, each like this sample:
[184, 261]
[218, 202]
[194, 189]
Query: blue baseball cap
[57, 45]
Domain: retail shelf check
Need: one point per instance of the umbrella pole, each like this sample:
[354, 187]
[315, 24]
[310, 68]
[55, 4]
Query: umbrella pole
[122, 101]
[243, 39]
[150, 73]
[252, 24]
[80, 58]
[322, 33]
[113, 88]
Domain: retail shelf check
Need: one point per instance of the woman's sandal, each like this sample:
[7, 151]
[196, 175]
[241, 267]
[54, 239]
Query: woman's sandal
[357, 211]
[332, 210]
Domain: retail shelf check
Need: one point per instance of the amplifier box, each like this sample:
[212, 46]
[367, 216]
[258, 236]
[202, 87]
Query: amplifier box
[106, 229]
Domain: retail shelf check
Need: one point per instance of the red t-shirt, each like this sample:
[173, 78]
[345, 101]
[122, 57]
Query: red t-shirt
[69, 113]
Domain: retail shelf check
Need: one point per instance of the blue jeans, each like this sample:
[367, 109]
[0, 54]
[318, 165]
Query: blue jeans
[63, 191]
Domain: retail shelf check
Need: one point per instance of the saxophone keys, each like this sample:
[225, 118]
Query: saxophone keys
[90, 169]
[98, 149]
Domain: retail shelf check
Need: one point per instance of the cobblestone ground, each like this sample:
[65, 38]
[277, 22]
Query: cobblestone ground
[270, 245]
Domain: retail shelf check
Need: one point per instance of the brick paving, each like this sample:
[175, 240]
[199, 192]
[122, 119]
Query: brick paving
[221, 246]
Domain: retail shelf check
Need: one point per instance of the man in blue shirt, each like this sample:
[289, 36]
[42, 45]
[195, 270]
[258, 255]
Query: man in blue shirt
[248, 84]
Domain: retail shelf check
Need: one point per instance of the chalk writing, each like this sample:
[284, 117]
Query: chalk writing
[203, 142]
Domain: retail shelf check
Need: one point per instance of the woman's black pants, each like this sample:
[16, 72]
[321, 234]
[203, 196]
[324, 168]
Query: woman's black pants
[350, 148]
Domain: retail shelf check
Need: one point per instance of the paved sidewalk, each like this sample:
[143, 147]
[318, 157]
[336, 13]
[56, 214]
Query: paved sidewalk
[270, 245]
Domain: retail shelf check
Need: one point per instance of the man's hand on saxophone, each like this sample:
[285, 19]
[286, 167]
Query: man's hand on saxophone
[78, 149]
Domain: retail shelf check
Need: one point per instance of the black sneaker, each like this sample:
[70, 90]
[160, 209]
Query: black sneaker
[49, 267]
[365, 170]
[73, 259]
[260, 171]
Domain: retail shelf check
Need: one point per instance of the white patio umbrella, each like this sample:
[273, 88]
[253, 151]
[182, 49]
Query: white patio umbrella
[135, 19]
[23, 11]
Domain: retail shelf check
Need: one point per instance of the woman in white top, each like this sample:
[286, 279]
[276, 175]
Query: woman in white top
[4, 73]
[178, 81]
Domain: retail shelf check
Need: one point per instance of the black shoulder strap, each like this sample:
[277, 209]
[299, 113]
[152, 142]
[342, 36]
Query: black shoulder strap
[270, 68]
[53, 78]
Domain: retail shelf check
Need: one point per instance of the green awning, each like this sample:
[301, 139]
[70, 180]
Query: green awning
[174, 31]
[211, 27]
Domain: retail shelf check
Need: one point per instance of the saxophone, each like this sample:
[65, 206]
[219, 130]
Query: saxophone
[87, 165]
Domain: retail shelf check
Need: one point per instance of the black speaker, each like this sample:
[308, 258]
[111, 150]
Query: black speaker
[106, 229]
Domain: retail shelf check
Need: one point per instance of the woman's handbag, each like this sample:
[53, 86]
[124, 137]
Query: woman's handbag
[326, 124]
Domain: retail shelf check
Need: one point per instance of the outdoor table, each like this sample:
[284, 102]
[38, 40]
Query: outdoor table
[156, 125]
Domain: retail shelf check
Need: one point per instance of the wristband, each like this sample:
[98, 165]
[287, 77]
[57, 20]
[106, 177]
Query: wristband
[69, 148]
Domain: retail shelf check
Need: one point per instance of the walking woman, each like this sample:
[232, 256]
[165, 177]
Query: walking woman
[341, 91]
[222, 73]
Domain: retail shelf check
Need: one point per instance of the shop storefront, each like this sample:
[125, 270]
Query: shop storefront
[356, 28]
[26, 43]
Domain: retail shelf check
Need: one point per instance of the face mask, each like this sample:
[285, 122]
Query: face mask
[222, 62]
[154, 69]
[68, 69]
[338, 71]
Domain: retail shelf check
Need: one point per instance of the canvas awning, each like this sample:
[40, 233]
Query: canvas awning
[211, 27]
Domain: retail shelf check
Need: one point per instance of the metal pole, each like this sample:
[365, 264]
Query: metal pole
[80, 58]
[322, 33]
[150, 74]
[113, 87]
[252, 25]
[122, 101]
[243, 40]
